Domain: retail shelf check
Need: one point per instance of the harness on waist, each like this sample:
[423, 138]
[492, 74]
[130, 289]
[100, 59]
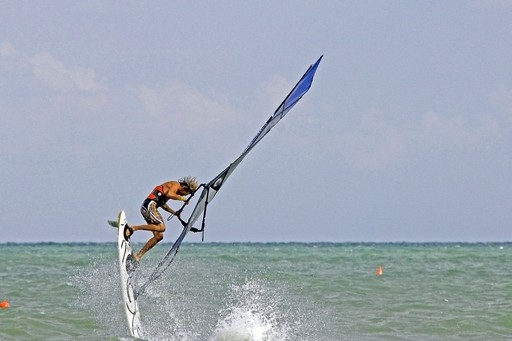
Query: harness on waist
[158, 196]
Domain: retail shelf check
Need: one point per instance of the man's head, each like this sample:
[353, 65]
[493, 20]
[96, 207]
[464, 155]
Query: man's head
[189, 183]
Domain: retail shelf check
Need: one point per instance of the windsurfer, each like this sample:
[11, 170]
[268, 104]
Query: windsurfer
[175, 190]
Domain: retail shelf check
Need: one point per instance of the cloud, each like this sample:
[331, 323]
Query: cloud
[465, 133]
[56, 75]
[44, 69]
[11, 60]
[48, 106]
[186, 109]
[273, 90]
[7, 50]
[375, 144]
[380, 141]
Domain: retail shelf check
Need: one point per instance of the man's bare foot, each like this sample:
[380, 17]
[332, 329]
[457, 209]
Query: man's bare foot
[131, 264]
[137, 257]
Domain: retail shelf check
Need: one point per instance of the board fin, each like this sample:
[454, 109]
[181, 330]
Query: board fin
[113, 223]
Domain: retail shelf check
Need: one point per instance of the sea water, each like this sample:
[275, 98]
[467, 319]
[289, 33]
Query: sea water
[263, 292]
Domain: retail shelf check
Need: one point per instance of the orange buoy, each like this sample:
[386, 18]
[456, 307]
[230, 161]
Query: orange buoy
[379, 271]
[4, 304]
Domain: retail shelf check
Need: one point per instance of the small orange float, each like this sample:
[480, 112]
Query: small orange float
[379, 271]
[4, 304]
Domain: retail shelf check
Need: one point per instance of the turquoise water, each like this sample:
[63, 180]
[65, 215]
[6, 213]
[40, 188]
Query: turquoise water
[217, 292]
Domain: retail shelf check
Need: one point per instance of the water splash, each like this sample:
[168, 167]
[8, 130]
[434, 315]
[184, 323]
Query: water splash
[199, 301]
[100, 294]
[253, 315]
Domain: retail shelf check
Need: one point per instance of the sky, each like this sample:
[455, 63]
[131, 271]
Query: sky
[405, 135]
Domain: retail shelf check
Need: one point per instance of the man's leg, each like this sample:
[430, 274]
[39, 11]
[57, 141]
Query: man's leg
[157, 236]
[149, 227]
[155, 224]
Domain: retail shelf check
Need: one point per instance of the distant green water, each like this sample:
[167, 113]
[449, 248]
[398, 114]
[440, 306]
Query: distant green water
[263, 292]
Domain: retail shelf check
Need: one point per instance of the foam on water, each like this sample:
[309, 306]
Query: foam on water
[253, 316]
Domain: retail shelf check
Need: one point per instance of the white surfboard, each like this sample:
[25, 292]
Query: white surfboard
[131, 306]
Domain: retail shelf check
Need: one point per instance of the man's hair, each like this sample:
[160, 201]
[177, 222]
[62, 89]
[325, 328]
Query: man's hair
[190, 182]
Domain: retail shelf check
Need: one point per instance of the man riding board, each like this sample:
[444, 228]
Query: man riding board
[175, 190]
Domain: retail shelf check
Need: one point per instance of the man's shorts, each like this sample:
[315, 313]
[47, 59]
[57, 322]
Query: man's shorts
[150, 213]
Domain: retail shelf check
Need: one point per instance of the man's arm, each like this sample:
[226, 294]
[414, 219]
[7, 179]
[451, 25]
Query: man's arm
[168, 209]
[170, 189]
[175, 197]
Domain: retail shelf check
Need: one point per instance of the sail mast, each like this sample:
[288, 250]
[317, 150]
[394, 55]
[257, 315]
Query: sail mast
[210, 190]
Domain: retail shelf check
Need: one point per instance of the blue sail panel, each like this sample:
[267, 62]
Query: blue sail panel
[301, 88]
[293, 97]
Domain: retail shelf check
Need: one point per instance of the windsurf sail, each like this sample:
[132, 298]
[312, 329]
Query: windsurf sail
[210, 189]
